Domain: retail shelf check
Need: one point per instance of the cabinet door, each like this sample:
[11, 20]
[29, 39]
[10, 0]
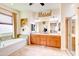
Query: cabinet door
[58, 41]
[34, 39]
[38, 39]
[42, 37]
[44, 40]
[48, 41]
[31, 39]
[53, 41]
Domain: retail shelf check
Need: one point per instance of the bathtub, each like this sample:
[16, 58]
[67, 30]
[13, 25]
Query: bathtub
[10, 42]
[9, 46]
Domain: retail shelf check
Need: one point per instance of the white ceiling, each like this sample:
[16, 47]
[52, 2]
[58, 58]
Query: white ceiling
[36, 7]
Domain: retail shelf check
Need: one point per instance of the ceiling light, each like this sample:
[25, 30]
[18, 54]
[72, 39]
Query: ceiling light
[30, 4]
[42, 4]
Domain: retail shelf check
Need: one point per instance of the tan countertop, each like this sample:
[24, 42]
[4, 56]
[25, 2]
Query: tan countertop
[47, 34]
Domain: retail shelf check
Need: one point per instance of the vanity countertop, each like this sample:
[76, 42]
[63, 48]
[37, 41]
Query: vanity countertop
[47, 34]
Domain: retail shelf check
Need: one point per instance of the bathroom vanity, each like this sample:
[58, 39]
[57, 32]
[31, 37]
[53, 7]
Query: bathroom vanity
[46, 40]
[46, 33]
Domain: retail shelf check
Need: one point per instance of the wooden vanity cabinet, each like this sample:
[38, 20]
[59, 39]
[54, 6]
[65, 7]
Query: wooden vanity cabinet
[46, 40]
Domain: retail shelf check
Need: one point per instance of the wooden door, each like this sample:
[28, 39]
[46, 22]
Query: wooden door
[73, 43]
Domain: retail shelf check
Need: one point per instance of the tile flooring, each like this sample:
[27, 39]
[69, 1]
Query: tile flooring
[36, 50]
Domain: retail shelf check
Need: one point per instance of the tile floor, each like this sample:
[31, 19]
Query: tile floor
[36, 50]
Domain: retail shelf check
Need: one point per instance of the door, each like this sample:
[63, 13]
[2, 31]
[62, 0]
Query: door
[69, 34]
[70, 39]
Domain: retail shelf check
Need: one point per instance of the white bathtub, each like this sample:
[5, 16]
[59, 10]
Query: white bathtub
[10, 42]
[9, 46]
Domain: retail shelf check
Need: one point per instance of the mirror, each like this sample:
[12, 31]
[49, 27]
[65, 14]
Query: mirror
[33, 27]
[53, 28]
[43, 27]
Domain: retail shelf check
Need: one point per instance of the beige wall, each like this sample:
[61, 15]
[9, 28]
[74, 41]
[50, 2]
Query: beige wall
[30, 16]
[27, 14]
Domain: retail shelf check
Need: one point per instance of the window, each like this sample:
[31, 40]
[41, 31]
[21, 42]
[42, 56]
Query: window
[5, 24]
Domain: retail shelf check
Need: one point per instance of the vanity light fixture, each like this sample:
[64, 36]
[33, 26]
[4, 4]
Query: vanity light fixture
[45, 14]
